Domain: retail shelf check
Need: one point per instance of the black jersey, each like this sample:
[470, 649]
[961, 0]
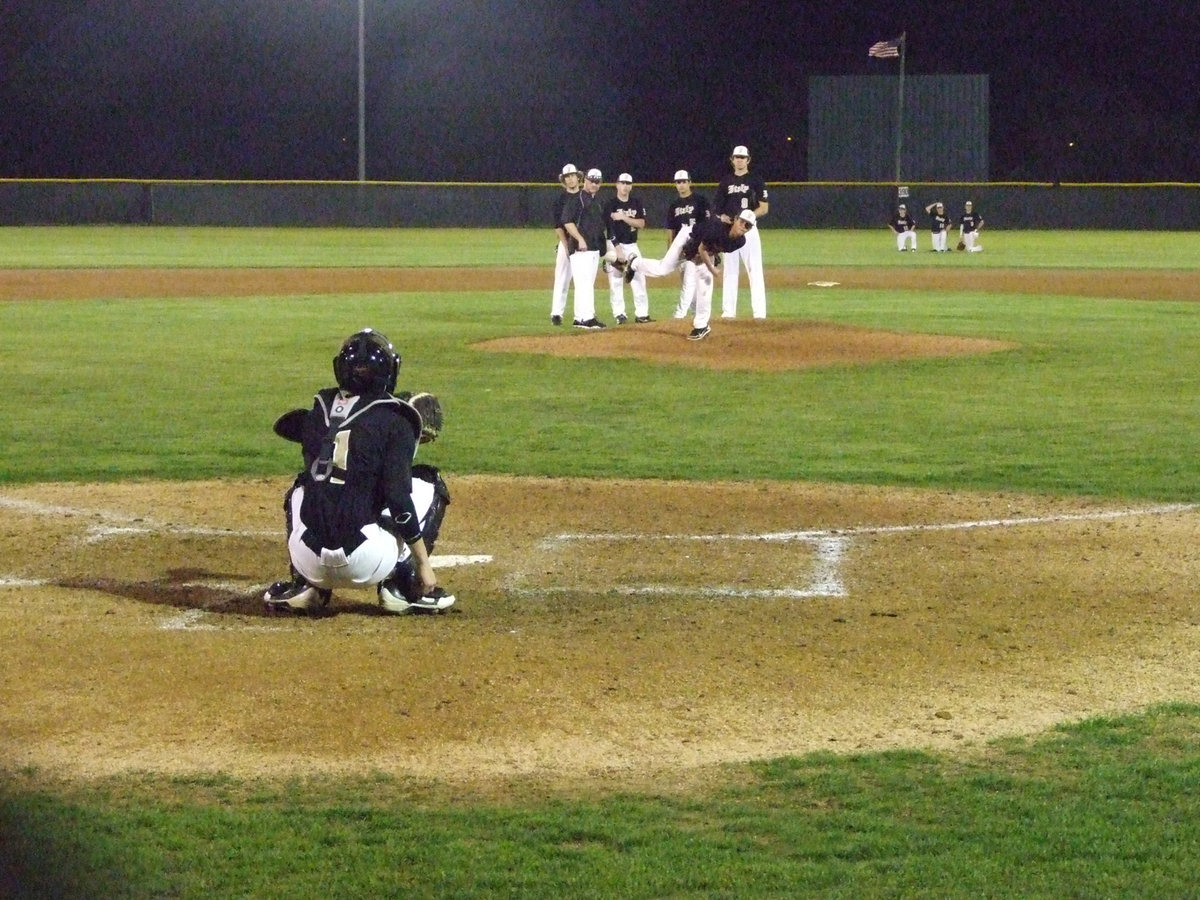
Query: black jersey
[938, 222]
[903, 223]
[358, 453]
[686, 211]
[970, 222]
[738, 192]
[560, 205]
[620, 232]
[587, 212]
[714, 235]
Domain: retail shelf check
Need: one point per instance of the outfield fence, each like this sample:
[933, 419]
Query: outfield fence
[1158, 207]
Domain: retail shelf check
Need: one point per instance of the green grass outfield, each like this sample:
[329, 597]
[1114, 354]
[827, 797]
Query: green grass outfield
[1098, 398]
[90, 246]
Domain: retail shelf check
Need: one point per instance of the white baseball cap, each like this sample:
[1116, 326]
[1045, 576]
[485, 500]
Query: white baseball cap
[747, 216]
[594, 175]
[740, 150]
[569, 169]
[625, 178]
[682, 175]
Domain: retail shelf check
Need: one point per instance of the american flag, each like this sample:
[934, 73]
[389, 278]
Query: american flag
[885, 49]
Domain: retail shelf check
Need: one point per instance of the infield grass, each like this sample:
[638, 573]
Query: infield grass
[1099, 397]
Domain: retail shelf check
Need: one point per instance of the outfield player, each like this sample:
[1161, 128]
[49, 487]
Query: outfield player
[736, 192]
[939, 225]
[905, 227]
[585, 226]
[624, 216]
[686, 210]
[569, 179]
[354, 498]
[703, 243]
[969, 226]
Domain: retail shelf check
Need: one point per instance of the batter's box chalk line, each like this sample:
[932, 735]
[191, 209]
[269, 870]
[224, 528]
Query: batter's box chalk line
[828, 547]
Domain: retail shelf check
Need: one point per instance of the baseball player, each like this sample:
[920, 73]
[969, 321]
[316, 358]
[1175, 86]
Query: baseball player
[969, 227]
[687, 209]
[939, 225]
[354, 498]
[569, 179]
[585, 225]
[906, 229]
[624, 215]
[703, 243]
[736, 192]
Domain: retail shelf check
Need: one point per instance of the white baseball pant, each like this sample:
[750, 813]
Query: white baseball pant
[657, 268]
[584, 266]
[906, 237]
[562, 280]
[370, 563]
[939, 241]
[749, 256]
[616, 285]
[687, 289]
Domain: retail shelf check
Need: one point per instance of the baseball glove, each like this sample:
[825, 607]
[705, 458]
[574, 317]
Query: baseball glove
[432, 418]
[962, 245]
[290, 426]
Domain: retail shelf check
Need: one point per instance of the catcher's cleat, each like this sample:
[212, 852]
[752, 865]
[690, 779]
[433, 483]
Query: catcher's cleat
[296, 595]
[556, 320]
[699, 334]
[435, 601]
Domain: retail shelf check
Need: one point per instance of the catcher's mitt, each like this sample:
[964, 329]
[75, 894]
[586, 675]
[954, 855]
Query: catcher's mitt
[290, 426]
[962, 245]
[430, 409]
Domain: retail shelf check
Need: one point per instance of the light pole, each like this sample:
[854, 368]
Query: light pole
[362, 95]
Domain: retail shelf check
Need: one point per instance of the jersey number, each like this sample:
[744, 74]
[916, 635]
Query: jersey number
[334, 456]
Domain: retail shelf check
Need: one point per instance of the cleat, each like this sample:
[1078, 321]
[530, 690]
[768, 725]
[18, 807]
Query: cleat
[590, 324]
[296, 595]
[642, 320]
[622, 319]
[699, 334]
[435, 601]
[556, 320]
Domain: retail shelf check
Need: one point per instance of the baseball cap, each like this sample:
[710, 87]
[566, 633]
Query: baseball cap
[747, 216]
[625, 177]
[594, 175]
[682, 175]
[740, 150]
[569, 169]
[902, 206]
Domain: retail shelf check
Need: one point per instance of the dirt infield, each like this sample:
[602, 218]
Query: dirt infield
[726, 622]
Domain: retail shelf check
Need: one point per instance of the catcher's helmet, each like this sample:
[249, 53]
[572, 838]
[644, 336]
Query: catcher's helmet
[366, 364]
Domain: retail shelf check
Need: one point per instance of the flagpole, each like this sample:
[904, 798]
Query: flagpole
[900, 107]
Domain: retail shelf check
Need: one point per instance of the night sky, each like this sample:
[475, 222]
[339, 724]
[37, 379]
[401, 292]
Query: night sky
[509, 91]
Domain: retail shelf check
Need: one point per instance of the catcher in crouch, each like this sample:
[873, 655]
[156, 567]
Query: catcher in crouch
[361, 514]
[702, 243]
